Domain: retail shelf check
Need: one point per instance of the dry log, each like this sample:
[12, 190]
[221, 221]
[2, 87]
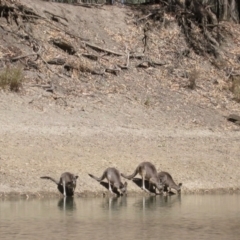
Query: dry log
[91, 56]
[65, 46]
[113, 71]
[234, 118]
[150, 63]
[57, 61]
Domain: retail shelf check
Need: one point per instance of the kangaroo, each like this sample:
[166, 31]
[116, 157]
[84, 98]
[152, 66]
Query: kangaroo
[66, 184]
[113, 177]
[168, 182]
[148, 172]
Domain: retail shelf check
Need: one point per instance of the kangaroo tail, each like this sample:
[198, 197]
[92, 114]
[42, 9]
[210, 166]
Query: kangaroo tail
[52, 179]
[130, 176]
[98, 179]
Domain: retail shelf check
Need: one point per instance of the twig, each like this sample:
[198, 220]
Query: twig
[54, 15]
[93, 46]
[144, 17]
[127, 63]
[87, 5]
[30, 16]
[136, 55]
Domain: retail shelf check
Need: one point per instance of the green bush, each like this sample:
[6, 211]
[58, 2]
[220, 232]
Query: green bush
[11, 78]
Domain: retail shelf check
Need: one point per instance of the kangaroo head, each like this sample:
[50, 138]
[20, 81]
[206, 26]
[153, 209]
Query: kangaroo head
[157, 183]
[123, 188]
[179, 187]
[73, 182]
[75, 178]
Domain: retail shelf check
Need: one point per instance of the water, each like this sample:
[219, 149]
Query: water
[186, 217]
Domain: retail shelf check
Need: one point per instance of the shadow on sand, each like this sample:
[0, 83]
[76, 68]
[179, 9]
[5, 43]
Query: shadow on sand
[104, 184]
[138, 182]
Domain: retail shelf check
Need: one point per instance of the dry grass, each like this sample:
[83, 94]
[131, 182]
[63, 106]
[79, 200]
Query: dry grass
[236, 87]
[11, 78]
[193, 76]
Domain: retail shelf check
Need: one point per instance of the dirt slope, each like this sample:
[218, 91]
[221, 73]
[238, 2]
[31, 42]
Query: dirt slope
[90, 122]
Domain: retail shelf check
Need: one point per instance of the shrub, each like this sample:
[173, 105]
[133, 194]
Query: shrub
[11, 78]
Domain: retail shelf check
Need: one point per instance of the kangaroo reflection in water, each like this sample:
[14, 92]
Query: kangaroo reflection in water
[114, 203]
[152, 202]
[67, 204]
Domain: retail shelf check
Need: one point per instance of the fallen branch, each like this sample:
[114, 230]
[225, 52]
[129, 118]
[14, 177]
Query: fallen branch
[95, 47]
[113, 71]
[90, 56]
[144, 17]
[57, 61]
[30, 16]
[64, 45]
[27, 12]
[88, 5]
[23, 56]
[80, 68]
[149, 63]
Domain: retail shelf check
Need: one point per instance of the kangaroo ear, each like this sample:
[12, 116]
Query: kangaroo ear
[180, 184]
[125, 184]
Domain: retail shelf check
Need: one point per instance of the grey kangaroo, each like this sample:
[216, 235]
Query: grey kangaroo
[66, 184]
[148, 172]
[113, 177]
[168, 182]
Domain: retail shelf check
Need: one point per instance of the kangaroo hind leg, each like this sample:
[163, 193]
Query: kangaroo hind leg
[143, 183]
[64, 188]
[110, 187]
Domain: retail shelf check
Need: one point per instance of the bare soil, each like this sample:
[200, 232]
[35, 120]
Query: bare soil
[117, 120]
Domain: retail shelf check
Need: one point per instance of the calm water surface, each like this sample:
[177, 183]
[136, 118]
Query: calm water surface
[185, 217]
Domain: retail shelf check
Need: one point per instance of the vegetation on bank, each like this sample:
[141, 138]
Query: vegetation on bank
[11, 78]
[70, 56]
[200, 21]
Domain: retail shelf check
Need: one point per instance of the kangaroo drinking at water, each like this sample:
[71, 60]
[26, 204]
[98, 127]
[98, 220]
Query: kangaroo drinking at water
[66, 184]
[168, 182]
[113, 177]
[148, 172]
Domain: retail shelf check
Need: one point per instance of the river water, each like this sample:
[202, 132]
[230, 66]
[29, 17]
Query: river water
[154, 217]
